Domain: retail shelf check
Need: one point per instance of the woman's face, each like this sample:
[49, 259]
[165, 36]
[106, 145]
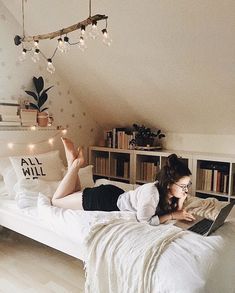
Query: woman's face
[180, 188]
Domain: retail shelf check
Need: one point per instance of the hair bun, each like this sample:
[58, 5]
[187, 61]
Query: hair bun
[172, 161]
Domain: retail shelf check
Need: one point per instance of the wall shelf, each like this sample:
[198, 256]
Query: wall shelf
[29, 128]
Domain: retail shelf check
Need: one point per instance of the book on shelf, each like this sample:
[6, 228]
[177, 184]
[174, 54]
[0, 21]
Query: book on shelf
[10, 123]
[101, 165]
[213, 176]
[120, 167]
[4, 117]
[9, 102]
[8, 110]
[147, 171]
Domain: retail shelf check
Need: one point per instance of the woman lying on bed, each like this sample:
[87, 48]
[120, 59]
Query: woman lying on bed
[155, 202]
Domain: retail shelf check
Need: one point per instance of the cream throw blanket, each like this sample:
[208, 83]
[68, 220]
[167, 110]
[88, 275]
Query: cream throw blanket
[122, 254]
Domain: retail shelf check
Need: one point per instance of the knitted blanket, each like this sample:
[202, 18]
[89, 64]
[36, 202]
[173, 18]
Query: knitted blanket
[122, 255]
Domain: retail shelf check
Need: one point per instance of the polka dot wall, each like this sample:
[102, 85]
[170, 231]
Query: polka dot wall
[16, 77]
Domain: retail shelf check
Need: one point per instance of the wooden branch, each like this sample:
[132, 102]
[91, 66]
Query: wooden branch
[67, 30]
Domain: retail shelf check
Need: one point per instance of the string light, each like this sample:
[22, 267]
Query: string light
[31, 43]
[35, 56]
[50, 66]
[10, 145]
[51, 141]
[32, 146]
[64, 131]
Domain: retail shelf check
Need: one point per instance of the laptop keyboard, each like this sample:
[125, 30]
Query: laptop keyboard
[201, 227]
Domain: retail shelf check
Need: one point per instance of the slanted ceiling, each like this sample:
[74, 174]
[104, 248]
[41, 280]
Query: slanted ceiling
[171, 64]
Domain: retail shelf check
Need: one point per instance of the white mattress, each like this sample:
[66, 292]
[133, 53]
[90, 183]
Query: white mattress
[27, 222]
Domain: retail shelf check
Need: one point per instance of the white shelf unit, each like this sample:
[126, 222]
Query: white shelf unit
[143, 165]
[115, 165]
[214, 175]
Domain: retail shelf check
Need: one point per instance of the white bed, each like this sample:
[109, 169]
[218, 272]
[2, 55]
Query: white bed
[186, 263]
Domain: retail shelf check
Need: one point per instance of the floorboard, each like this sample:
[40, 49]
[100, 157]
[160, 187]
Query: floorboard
[28, 266]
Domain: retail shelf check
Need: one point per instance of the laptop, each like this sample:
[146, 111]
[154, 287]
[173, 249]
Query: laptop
[204, 226]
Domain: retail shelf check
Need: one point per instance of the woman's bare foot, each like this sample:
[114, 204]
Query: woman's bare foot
[70, 151]
[79, 161]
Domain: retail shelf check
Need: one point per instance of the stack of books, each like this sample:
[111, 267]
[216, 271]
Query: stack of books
[118, 138]
[28, 117]
[9, 113]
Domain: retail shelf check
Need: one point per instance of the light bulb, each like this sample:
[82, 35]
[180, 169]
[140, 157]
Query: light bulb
[35, 56]
[50, 66]
[33, 128]
[51, 141]
[31, 146]
[10, 145]
[60, 45]
[106, 38]
[66, 44]
[64, 131]
[94, 30]
[82, 45]
[36, 42]
[83, 31]
[22, 57]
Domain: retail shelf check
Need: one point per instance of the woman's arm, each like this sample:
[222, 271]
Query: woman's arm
[177, 215]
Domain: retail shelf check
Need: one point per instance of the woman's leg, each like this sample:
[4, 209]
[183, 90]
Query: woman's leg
[71, 154]
[66, 195]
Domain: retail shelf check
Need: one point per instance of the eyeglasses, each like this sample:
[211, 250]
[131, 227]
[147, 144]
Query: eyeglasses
[184, 187]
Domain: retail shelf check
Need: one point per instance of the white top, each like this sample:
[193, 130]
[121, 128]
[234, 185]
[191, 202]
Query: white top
[143, 200]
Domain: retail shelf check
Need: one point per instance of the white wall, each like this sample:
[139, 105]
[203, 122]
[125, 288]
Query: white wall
[223, 144]
[63, 102]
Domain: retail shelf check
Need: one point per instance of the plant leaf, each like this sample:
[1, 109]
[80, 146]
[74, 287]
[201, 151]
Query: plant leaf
[32, 94]
[33, 106]
[42, 99]
[38, 83]
[44, 109]
[46, 90]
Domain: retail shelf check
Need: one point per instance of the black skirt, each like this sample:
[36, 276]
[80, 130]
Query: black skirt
[101, 198]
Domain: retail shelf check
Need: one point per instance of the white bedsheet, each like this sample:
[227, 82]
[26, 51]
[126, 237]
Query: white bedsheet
[191, 263]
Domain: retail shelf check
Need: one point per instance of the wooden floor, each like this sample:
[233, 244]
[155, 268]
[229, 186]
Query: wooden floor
[29, 266]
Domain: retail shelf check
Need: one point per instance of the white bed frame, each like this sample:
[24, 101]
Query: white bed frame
[34, 230]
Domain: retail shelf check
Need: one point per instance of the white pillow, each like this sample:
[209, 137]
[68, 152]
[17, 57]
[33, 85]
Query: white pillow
[122, 185]
[4, 164]
[86, 177]
[10, 181]
[46, 166]
[9, 176]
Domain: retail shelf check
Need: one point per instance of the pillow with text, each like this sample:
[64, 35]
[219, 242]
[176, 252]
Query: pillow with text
[46, 166]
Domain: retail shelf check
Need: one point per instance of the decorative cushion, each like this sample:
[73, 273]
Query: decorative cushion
[46, 166]
[86, 177]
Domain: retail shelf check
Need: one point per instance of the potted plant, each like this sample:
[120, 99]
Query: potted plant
[40, 97]
[144, 136]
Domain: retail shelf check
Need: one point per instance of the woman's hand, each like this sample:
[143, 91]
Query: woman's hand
[181, 201]
[182, 215]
